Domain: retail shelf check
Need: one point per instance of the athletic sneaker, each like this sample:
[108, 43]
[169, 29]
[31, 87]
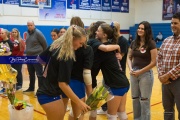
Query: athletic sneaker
[101, 112]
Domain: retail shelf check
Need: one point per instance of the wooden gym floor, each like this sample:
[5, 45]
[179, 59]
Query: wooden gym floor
[39, 114]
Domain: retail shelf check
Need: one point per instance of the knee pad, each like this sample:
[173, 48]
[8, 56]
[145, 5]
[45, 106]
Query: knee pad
[93, 113]
[122, 115]
[112, 117]
[71, 113]
[87, 77]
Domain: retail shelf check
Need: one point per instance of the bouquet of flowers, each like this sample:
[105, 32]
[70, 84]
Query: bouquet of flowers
[16, 104]
[100, 95]
[7, 74]
[4, 48]
[10, 90]
[19, 110]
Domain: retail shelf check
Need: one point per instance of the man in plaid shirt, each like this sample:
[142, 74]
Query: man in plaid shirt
[168, 64]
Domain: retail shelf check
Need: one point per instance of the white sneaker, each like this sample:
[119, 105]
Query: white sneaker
[101, 112]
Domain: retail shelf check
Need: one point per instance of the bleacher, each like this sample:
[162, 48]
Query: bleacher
[165, 28]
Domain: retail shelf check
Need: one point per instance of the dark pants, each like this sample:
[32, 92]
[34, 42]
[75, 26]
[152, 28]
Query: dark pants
[19, 77]
[32, 68]
[170, 97]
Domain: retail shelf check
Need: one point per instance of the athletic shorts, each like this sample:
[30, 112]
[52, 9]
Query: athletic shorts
[119, 91]
[77, 87]
[43, 99]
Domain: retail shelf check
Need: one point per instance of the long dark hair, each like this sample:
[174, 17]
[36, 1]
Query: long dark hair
[76, 20]
[148, 35]
[93, 28]
[110, 31]
[55, 30]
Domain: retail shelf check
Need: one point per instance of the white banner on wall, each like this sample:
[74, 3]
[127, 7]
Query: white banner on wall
[56, 13]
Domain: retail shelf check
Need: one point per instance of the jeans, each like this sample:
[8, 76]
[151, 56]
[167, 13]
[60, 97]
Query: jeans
[141, 89]
[32, 68]
[19, 77]
[170, 97]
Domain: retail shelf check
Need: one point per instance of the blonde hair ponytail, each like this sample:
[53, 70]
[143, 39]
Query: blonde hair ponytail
[65, 42]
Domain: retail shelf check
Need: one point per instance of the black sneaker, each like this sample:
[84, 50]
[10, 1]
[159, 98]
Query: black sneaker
[28, 90]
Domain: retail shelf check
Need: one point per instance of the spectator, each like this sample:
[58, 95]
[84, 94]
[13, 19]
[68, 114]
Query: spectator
[61, 31]
[54, 34]
[7, 42]
[35, 44]
[18, 50]
[159, 37]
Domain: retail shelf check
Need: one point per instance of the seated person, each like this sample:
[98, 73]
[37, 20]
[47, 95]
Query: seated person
[159, 37]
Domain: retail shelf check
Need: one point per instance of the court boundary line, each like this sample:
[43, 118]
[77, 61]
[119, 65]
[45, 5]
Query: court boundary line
[151, 106]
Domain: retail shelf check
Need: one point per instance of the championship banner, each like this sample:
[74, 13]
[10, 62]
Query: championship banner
[106, 5]
[35, 3]
[11, 2]
[115, 6]
[72, 4]
[84, 5]
[124, 5]
[96, 5]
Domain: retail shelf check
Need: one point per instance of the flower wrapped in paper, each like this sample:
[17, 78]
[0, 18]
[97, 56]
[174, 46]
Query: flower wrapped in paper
[99, 96]
[4, 49]
[7, 73]
[10, 90]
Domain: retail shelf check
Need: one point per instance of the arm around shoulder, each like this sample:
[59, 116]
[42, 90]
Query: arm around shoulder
[107, 48]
